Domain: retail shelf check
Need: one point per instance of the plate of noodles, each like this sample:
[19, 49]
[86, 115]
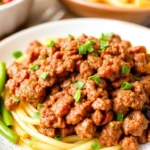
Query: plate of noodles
[76, 84]
[137, 11]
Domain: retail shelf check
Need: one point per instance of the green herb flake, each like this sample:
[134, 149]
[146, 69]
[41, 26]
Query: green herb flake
[126, 86]
[34, 67]
[96, 54]
[104, 44]
[82, 49]
[51, 44]
[77, 95]
[44, 75]
[112, 124]
[17, 54]
[15, 99]
[36, 115]
[96, 79]
[40, 106]
[106, 35]
[70, 35]
[58, 137]
[95, 145]
[136, 77]
[120, 117]
[125, 69]
[79, 84]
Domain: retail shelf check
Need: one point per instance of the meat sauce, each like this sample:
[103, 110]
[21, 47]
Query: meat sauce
[79, 82]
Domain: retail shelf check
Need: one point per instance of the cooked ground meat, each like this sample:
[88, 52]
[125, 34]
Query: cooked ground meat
[129, 143]
[111, 133]
[135, 123]
[79, 82]
[86, 129]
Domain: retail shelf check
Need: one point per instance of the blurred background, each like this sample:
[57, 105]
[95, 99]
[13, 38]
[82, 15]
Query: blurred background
[21, 14]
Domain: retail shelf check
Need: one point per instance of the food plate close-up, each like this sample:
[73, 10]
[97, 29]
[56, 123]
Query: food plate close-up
[81, 84]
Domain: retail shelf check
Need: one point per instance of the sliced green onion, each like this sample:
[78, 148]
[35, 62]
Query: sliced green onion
[34, 67]
[2, 76]
[95, 145]
[17, 54]
[112, 124]
[58, 137]
[136, 77]
[36, 115]
[125, 69]
[51, 44]
[44, 75]
[40, 105]
[120, 117]
[126, 86]
[96, 79]
[106, 35]
[79, 84]
[16, 99]
[77, 95]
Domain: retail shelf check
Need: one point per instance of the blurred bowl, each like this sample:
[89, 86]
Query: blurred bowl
[91, 9]
[13, 14]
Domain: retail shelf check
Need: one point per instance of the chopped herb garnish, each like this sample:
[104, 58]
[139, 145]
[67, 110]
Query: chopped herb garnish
[106, 35]
[58, 137]
[77, 95]
[136, 77]
[86, 47]
[70, 35]
[34, 67]
[96, 78]
[79, 84]
[95, 145]
[51, 44]
[125, 69]
[40, 105]
[17, 54]
[36, 115]
[126, 86]
[95, 54]
[16, 99]
[112, 124]
[104, 44]
[44, 75]
[120, 117]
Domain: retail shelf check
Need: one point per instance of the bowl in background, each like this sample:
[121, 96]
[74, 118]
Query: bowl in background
[13, 14]
[90, 9]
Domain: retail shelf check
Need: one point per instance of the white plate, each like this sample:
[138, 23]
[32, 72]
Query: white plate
[138, 35]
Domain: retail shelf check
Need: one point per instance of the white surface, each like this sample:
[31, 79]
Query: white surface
[138, 35]
[13, 14]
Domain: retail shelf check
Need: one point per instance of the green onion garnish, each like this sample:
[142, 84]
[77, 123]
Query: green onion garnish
[34, 67]
[79, 84]
[95, 54]
[51, 44]
[17, 54]
[58, 137]
[40, 105]
[36, 115]
[126, 86]
[70, 35]
[96, 79]
[44, 75]
[16, 99]
[77, 95]
[95, 145]
[136, 77]
[120, 117]
[125, 69]
[82, 50]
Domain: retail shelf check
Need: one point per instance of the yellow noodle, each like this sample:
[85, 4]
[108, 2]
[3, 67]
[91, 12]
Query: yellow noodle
[118, 147]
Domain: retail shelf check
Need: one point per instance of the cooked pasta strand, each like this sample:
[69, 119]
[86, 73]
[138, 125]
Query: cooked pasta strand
[118, 147]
